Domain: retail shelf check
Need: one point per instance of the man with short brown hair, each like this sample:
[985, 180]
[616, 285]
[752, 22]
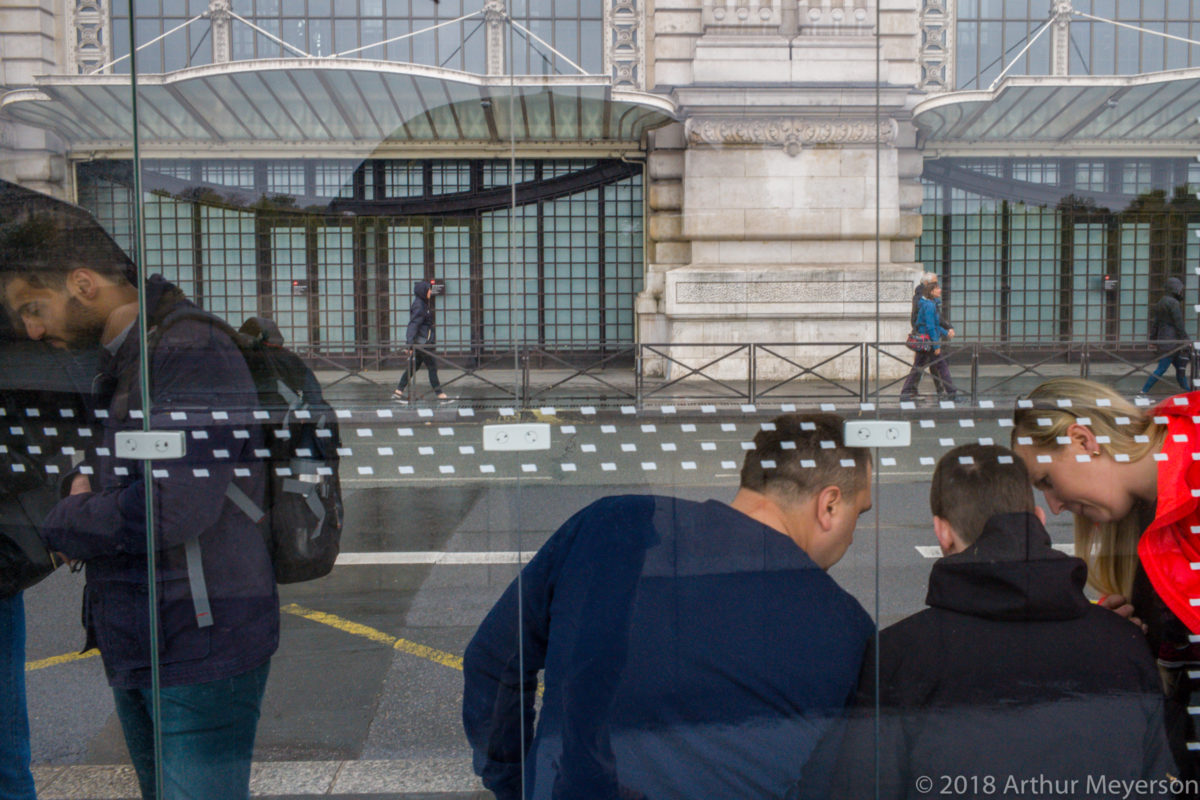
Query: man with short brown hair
[691, 650]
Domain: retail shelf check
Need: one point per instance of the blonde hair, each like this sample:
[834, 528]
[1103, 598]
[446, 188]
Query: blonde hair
[1043, 416]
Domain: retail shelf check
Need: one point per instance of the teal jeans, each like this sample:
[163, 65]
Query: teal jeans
[16, 781]
[207, 736]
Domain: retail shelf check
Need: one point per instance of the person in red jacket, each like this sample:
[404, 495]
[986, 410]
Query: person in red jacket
[1131, 478]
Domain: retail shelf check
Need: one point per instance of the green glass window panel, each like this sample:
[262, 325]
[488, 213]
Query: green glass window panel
[334, 292]
[1089, 265]
[1134, 287]
[288, 265]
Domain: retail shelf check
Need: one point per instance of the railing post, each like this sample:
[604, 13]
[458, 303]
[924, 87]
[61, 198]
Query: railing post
[525, 391]
[1084, 361]
[752, 372]
[975, 373]
[637, 375]
[864, 371]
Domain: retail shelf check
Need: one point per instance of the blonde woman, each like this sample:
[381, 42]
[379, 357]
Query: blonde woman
[1131, 478]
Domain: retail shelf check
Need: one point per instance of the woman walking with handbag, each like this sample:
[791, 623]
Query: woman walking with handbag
[931, 329]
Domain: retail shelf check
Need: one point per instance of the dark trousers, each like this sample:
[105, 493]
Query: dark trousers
[207, 736]
[935, 362]
[16, 781]
[415, 360]
[1179, 359]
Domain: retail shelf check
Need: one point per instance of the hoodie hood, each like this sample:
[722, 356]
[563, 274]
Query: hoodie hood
[1010, 573]
[421, 290]
[1174, 286]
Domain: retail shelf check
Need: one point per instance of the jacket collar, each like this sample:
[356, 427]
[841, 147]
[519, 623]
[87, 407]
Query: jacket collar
[1010, 573]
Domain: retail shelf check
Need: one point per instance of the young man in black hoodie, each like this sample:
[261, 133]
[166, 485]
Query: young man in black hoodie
[1011, 683]
[418, 337]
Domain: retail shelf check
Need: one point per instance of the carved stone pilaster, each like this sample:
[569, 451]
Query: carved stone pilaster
[1060, 39]
[790, 133]
[89, 26]
[937, 38]
[494, 16]
[625, 46]
[219, 13]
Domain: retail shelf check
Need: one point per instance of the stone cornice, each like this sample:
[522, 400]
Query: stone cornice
[790, 133]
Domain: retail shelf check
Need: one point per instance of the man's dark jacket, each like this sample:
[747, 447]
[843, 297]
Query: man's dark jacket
[1167, 328]
[420, 316]
[688, 651]
[1011, 671]
[199, 384]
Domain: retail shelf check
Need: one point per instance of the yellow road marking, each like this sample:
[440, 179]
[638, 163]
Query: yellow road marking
[356, 629]
[54, 661]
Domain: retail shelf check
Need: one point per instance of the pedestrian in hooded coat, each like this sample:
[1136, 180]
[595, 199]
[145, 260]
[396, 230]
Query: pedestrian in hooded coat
[417, 339]
[1168, 333]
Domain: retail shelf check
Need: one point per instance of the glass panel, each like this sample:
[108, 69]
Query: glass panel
[617, 397]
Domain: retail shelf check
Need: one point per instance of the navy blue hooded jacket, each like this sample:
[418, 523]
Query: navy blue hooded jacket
[689, 652]
[200, 384]
[420, 316]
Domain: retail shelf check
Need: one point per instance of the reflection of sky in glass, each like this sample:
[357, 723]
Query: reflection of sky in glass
[325, 27]
[990, 33]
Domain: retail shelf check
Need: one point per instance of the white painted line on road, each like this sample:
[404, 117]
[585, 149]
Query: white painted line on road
[933, 551]
[433, 557]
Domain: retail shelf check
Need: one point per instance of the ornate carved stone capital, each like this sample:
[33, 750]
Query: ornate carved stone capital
[790, 133]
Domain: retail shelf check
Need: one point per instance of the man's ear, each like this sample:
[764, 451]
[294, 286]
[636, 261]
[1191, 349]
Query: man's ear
[1082, 436]
[947, 538]
[827, 502]
[83, 283]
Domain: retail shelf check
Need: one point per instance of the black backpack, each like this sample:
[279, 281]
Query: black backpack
[299, 444]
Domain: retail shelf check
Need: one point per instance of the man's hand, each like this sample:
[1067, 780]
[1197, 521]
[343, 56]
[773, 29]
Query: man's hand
[950, 333]
[80, 484]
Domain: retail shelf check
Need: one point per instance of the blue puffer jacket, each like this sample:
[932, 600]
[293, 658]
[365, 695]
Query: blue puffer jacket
[929, 320]
[199, 383]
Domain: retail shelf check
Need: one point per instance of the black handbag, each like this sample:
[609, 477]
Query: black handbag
[27, 494]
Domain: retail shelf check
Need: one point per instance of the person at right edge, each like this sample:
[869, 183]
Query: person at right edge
[417, 338]
[1130, 477]
[1169, 333]
[1011, 683]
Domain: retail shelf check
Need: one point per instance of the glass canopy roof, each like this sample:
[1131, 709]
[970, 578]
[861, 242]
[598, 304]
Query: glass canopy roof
[334, 101]
[1134, 111]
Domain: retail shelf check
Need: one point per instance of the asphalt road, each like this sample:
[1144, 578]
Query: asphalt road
[364, 691]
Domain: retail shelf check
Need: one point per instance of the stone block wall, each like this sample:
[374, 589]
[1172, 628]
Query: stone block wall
[32, 42]
[786, 205]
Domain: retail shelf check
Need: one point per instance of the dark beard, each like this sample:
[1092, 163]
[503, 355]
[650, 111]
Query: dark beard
[84, 326]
